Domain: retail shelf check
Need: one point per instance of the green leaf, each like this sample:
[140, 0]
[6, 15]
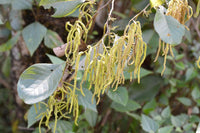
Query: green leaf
[86, 101]
[21, 4]
[33, 113]
[149, 106]
[52, 39]
[152, 39]
[63, 8]
[194, 118]
[134, 115]
[197, 12]
[130, 106]
[16, 21]
[120, 95]
[179, 120]
[163, 99]
[37, 130]
[147, 89]
[1, 19]
[191, 73]
[143, 72]
[198, 128]
[188, 36]
[188, 126]
[156, 3]
[62, 126]
[10, 43]
[180, 66]
[33, 35]
[38, 82]
[149, 124]
[166, 113]
[195, 93]
[46, 2]
[75, 13]
[168, 28]
[5, 1]
[91, 117]
[6, 67]
[185, 101]
[55, 60]
[166, 129]
[120, 24]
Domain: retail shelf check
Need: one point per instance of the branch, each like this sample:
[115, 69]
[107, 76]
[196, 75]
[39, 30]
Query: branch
[196, 27]
[4, 83]
[60, 51]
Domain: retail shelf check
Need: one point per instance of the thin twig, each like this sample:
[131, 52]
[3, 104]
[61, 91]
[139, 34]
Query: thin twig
[108, 112]
[109, 17]
[140, 13]
[94, 16]
[4, 83]
[25, 128]
[196, 27]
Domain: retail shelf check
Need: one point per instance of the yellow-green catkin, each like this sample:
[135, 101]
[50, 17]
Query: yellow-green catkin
[198, 63]
[180, 10]
[104, 65]
[78, 31]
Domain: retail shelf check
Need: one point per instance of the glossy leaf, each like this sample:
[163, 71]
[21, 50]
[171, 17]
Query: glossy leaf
[149, 124]
[166, 113]
[33, 35]
[166, 129]
[21, 4]
[147, 89]
[37, 130]
[130, 106]
[185, 101]
[91, 117]
[38, 82]
[198, 128]
[63, 8]
[55, 60]
[120, 95]
[152, 40]
[86, 101]
[46, 2]
[52, 39]
[149, 106]
[180, 66]
[33, 113]
[191, 73]
[179, 120]
[62, 126]
[10, 43]
[196, 93]
[168, 28]
[15, 18]
[143, 72]
[5, 1]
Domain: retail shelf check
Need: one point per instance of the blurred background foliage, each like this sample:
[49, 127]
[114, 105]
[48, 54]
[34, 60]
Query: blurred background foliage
[167, 104]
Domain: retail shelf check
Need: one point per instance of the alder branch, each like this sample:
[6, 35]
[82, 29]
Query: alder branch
[60, 51]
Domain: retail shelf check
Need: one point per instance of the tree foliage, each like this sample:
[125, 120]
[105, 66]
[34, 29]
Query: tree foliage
[111, 79]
